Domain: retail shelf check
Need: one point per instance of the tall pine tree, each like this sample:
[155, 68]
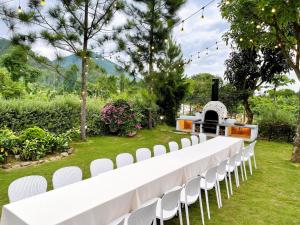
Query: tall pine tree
[148, 28]
[170, 84]
[70, 25]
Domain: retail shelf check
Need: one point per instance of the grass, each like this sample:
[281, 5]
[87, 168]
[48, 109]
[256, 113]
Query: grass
[270, 196]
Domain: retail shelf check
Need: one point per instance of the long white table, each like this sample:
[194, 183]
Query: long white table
[99, 200]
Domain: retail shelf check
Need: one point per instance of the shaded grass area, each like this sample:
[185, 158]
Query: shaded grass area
[270, 196]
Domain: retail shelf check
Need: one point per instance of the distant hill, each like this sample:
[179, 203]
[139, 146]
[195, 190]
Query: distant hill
[4, 45]
[110, 67]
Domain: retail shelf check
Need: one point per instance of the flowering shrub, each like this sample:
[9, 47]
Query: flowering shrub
[121, 117]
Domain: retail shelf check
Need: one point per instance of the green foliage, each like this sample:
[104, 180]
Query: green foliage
[170, 84]
[273, 24]
[32, 143]
[57, 115]
[16, 62]
[105, 86]
[121, 118]
[70, 79]
[9, 88]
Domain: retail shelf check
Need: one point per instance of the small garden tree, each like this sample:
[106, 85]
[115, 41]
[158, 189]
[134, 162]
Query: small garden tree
[247, 70]
[170, 84]
[69, 25]
[267, 23]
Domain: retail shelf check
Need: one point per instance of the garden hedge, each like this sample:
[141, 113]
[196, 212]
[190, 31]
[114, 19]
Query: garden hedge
[57, 116]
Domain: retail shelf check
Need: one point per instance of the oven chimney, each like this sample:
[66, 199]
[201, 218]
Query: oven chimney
[215, 90]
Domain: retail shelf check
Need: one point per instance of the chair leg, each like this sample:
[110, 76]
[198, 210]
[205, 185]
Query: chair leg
[236, 174]
[201, 208]
[220, 197]
[250, 166]
[217, 195]
[245, 170]
[207, 204]
[230, 183]
[180, 214]
[187, 214]
[254, 160]
[226, 183]
[242, 172]
[154, 221]
[161, 221]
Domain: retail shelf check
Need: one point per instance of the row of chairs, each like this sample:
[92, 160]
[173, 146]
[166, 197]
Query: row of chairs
[32, 185]
[169, 205]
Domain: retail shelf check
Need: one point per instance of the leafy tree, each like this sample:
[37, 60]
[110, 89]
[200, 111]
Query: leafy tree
[247, 70]
[200, 89]
[170, 85]
[280, 80]
[70, 79]
[105, 86]
[16, 61]
[271, 24]
[150, 24]
[70, 25]
[8, 87]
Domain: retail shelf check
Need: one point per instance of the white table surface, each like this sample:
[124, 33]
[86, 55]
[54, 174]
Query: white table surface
[99, 200]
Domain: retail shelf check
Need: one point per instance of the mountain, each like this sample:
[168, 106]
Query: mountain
[4, 45]
[110, 67]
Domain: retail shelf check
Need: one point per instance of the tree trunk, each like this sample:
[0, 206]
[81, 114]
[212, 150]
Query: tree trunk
[296, 148]
[249, 112]
[84, 73]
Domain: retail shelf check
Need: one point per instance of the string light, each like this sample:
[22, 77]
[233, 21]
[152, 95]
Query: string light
[258, 26]
[273, 10]
[182, 29]
[227, 2]
[20, 10]
[241, 39]
[43, 2]
[217, 45]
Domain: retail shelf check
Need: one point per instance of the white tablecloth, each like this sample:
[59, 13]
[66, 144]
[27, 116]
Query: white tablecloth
[99, 200]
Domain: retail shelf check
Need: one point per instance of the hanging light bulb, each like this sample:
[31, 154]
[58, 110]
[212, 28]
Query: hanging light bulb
[182, 23]
[217, 45]
[202, 16]
[43, 2]
[166, 40]
[251, 40]
[258, 26]
[241, 39]
[20, 10]
[273, 10]
[227, 2]
[198, 55]
[206, 51]
[152, 47]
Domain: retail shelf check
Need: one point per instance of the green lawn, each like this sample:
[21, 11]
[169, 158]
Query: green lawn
[270, 196]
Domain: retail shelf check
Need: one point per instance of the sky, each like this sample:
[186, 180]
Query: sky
[198, 34]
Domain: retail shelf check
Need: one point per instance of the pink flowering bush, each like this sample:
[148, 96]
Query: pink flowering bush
[121, 117]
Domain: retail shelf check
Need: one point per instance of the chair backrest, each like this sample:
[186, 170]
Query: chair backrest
[221, 169]
[195, 140]
[211, 175]
[144, 215]
[99, 166]
[124, 159]
[252, 146]
[142, 154]
[66, 176]
[231, 161]
[202, 137]
[170, 200]
[26, 187]
[192, 187]
[185, 142]
[159, 150]
[173, 146]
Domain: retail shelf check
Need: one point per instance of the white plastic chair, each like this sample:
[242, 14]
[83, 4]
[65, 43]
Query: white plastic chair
[169, 205]
[208, 182]
[99, 166]
[173, 146]
[124, 159]
[66, 176]
[252, 153]
[142, 154]
[202, 137]
[185, 142]
[159, 150]
[145, 215]
[26, 187]
[246, 157]
[231, 167]
[190, 194]
[222, 175]
[239, 163]
[195, 140]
